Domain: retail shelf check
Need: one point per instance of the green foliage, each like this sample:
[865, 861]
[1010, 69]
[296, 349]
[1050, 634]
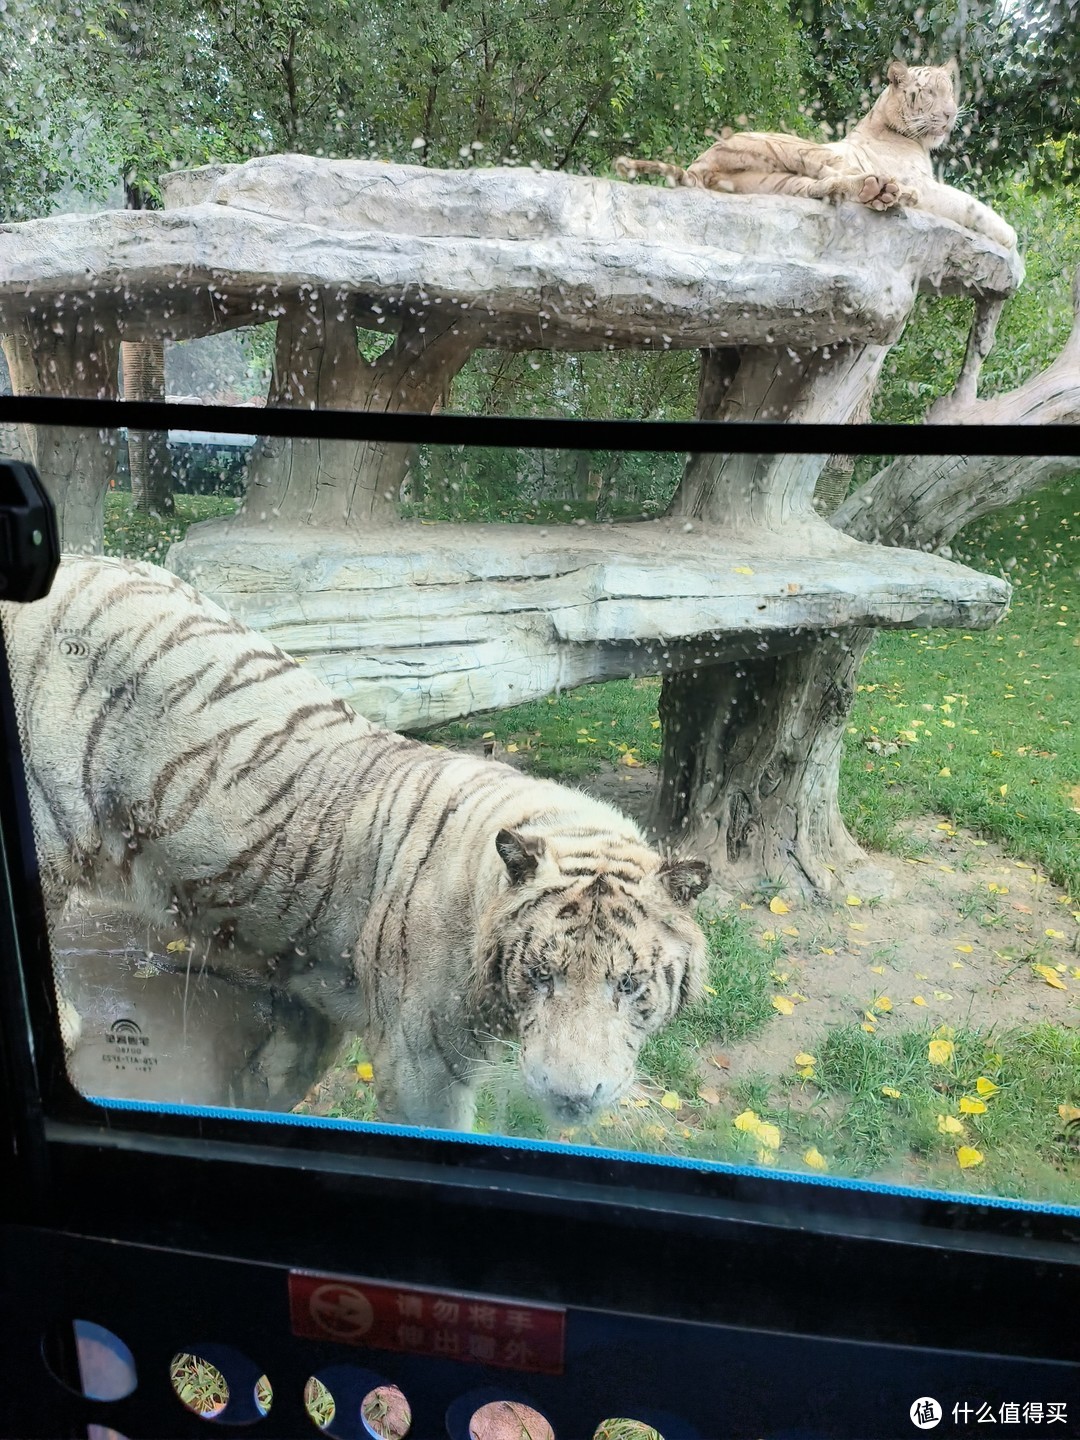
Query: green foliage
[563, 86]
[1034, 324]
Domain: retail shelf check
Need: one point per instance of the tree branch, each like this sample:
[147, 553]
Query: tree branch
[923, 502]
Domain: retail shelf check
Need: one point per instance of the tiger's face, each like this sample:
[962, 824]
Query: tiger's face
[586, 956]
[921, 101]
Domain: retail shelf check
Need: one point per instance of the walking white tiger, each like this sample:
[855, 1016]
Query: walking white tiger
[431, 902]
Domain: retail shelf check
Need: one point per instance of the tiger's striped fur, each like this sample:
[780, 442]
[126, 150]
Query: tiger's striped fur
[884, 162]
[429, 901]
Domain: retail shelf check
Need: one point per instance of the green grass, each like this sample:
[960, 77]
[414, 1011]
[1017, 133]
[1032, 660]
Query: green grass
[148, 537]
[860, 1130]
[987, 709]
[575, 734]
[737, 1003]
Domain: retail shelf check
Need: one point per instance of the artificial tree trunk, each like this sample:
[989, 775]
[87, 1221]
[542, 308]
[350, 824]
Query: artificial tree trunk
[61, 357]
[748, 744]
[750, 763]
[143, 366]
[341, 483]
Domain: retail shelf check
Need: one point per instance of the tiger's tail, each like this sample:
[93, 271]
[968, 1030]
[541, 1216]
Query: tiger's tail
[628, 169]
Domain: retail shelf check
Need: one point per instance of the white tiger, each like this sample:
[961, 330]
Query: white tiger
[431, 902]
[883, 162]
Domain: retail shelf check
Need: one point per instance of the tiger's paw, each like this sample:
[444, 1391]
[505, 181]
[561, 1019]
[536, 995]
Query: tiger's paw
[877, 191]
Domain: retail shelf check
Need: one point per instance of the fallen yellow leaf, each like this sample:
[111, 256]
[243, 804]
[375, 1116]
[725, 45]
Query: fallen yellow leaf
[742, 570]
[870, 1029]
[1069, 1113]
[652, 1132]
[802, 1058]
[967, 1156]
[965, 949]
[940, 1052]
[1054, 934]
[1003, 789]
[1050, 976]
[890, 1090]
[814, 1158]
[826, 951]
[670, 1100]
[778, 906]
[783, 1004]
[710, 990]
[970, 1106]
[512, 749]
[853, 900]
[790, 930]
[877, 969]
[949, 1125]
[768, 935]
[856, 925]
[883, 1004]
[805, 1072]
[917, 1000]
[769, 1135]
[985, 1086]
[945, 771]
[365, 1072]
[766, 1157]
[175, 946]
[942, 995]
[748, 1121]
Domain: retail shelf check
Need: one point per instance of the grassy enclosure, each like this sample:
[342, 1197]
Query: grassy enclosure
[820, 1045]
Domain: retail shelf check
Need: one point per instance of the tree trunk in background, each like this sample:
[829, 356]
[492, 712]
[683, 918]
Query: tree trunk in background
[143, 365]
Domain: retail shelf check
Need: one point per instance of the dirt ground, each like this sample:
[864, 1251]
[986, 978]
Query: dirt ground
[961, 930]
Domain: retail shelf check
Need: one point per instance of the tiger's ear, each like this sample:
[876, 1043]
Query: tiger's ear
[684, 880]
[520, 856]
[952, 69]
[897, 72]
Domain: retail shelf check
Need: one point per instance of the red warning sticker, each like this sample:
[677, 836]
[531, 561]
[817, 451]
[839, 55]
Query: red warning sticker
[473, 1328]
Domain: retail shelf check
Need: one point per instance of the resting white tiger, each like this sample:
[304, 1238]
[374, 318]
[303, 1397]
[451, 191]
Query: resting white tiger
[429, 901]
[884, 161]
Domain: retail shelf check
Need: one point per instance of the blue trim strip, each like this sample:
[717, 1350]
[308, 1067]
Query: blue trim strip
[550, 1147]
